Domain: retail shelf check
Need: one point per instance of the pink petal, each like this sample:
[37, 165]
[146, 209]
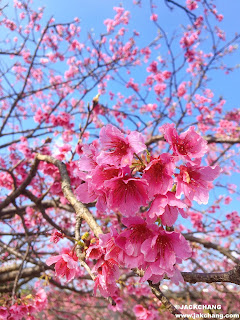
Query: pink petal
[53, 260]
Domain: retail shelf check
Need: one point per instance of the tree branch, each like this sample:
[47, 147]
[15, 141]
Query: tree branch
[80, 209]
[210, 245]
[22, 187]
[232, 276]
[158, 293]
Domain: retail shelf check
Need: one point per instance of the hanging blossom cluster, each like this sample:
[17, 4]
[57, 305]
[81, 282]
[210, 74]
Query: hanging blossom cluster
[121, 176]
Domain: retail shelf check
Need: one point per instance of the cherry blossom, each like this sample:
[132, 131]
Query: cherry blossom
[131, 240]
[142, 313]
[162, 251]
[166, 207]
[117, 149]
[187, 145]
[124, 190]
[108, 273]
[194, 182]
[56, 236]
[158, 174]
[65, 264]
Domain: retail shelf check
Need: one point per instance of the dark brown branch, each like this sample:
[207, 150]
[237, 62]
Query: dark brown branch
[22, 187]
[19, 274]
[7, 269]
[232, 276]
[210, 245]
[70, 288]
[9, 212]
[38, 203]
[7, 288]
[18, 254]
[27, 272]
[192, 17]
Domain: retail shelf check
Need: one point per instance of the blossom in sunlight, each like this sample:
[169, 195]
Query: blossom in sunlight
[127, 194]
[187, 145]
[166, 207]
[116, 148]
[194, 182]
[158, 174]
[163, 251]
[65, 264]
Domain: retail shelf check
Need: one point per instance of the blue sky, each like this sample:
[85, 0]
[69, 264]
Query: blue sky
[92, 13]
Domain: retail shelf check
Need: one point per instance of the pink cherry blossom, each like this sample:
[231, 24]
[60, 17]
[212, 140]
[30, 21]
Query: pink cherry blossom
[119, 304]
[4, 313]
[182, 89]
[94, 251]
[95, 187]
[85, 193]
[66, 264]
[103, 173]
[40, 301]
[187, 145]
[131, 240]
[154, 17]
[160, 88]
[191, 4]
[142, 313]
[107, 274]
[112, 250]
[117, 149]
[127, 194]
[17, 312]
[87, 161]
[163, 251]
[158, 174]
[167, 207]
[193, 182]
[56, 236]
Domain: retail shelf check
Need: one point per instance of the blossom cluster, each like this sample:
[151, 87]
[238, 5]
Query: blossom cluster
[25, 308]
[141, 245]
[121, 176]
[118, 178]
